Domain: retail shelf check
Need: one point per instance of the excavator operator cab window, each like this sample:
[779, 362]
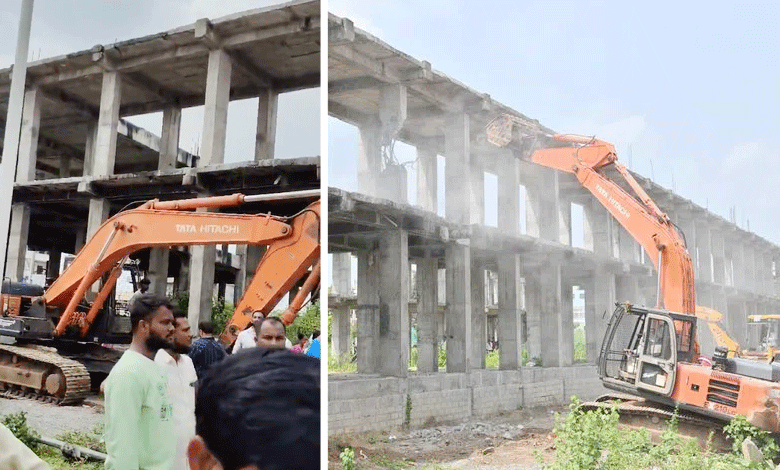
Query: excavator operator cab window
[684, 330]
[658, 343]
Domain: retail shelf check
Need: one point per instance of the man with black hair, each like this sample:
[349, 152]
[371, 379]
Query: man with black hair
[143, 286]
[205, 351]
[259, 411]
[182, 378]
[138, 412]
[272, 333]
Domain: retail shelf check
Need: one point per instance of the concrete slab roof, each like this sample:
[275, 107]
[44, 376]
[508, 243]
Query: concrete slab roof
[359, 64]
[275, 47]
[59, 208]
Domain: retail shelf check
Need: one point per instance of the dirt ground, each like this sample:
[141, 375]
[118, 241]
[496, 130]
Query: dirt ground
[514, 440]
[50, 420]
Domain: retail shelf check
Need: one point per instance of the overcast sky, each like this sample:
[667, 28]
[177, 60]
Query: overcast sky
[65, 26]
[687, 93]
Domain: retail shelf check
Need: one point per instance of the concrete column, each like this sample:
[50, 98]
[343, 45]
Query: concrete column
[427, 179]
[28, 138]
[551, 316]
[478, 320]
[368, 311]
[89, 149]
[427, 315]
[533, 306]
[627, 290]
[457, 174]
[267, 109]
[250, 257]
[508, 339]
[458, 323]
[369, 160]
[628, 246]
[566, 325]
[542, 213]
[183, 277]
[564, 221]
[477, 187]
[393, 303]
[738, 320]
[340, 339]
[508, 199]
[342, 274]
[202, 259]
[392, 110]
[169, 138]
[240, 285]
[601, 299]
[105, 141]
[53, 266]
[99, 210]
[81, 237]
[64, 166]
[215, 109]
[598, 229]
[705, 252]
[17, 241]
[158, 270]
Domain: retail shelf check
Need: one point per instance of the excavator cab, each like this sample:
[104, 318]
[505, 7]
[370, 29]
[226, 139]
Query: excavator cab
[642, 347]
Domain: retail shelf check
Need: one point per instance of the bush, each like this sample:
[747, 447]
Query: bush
[493, 359]
[739, 429]
[580, 346]
[347, 457]
[17, 424]
[592, 439]
[306, 322]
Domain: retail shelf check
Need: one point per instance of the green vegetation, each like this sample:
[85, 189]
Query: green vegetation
[592, 439]
[17, 424]
[341, 363]
[493, 359]
[306, 322]
[347, 457]
[580, 346]
[739, 429]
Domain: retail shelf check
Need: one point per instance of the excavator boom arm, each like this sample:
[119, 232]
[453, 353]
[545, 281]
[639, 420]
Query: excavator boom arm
[292, 249]
[638, 215]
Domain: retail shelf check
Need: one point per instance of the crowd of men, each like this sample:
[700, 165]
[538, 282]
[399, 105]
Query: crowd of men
[171, 404]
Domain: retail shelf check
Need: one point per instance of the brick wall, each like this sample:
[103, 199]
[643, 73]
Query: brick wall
[361, 403]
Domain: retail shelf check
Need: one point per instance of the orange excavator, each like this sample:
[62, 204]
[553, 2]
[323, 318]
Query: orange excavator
[58, 333]
[653, 352]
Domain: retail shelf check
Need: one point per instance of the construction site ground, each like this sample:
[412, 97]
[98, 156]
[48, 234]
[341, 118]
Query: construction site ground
[512, 440]
[50, 420]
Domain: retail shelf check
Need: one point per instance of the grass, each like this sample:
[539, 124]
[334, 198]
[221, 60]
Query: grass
[17, 423]
[340, 363]
[592, 439]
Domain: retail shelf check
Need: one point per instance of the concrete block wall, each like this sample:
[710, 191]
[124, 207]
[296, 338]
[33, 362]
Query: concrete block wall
[359, 403]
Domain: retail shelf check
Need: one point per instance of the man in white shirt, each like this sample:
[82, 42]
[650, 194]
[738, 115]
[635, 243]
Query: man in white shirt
[248, 338]
[181, 377]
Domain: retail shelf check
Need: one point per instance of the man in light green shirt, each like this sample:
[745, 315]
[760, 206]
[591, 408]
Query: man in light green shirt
[139, 428]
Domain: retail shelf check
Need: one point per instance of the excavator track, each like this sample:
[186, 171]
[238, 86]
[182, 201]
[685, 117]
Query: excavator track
[43, 375]
[637, 412]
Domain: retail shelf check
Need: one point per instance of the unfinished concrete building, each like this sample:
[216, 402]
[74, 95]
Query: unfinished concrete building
[525, 301]
[80, 162]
